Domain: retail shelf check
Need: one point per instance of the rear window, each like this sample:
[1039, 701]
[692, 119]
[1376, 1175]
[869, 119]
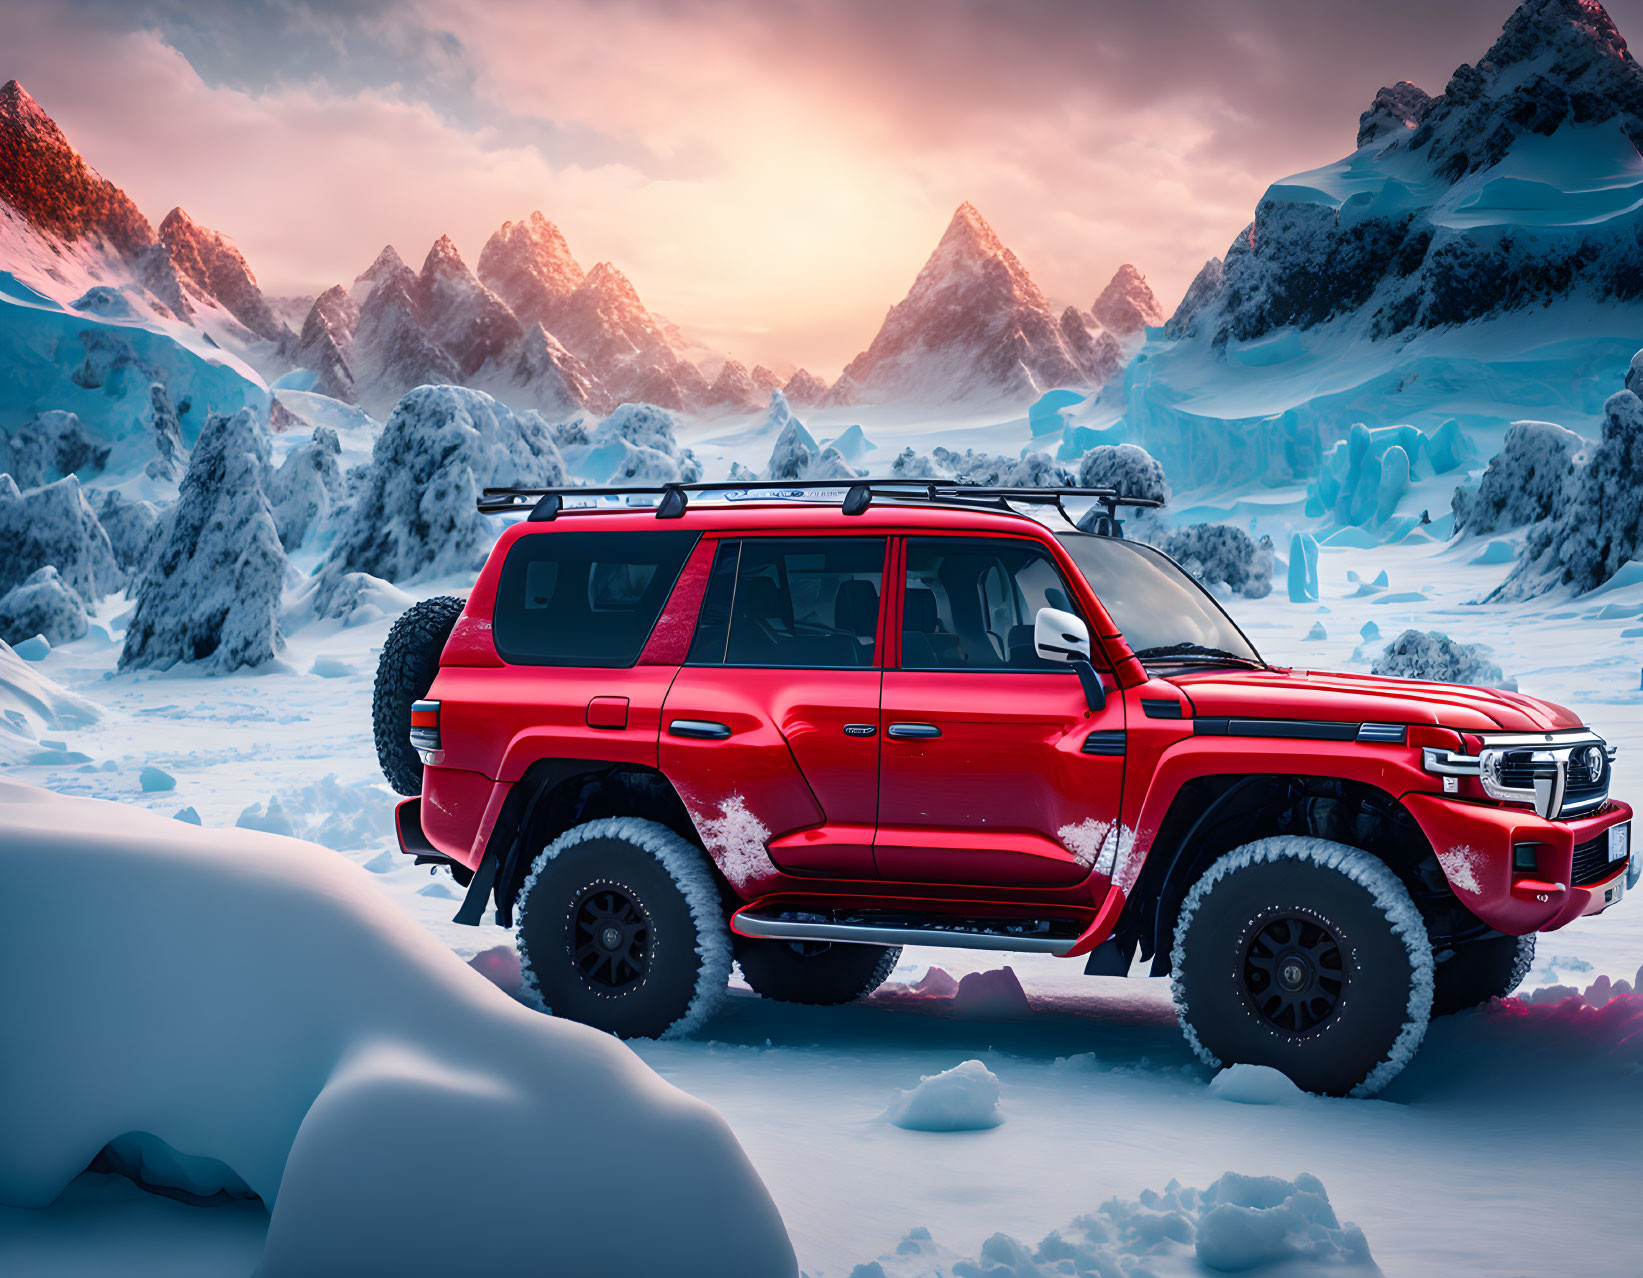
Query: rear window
[585, 598]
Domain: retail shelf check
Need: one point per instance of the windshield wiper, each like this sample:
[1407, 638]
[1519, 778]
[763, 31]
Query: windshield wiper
[1189, 651]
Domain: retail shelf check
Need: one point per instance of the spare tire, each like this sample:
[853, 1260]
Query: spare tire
[405, 672]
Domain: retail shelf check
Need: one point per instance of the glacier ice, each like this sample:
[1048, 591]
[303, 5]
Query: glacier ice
[1303, 568]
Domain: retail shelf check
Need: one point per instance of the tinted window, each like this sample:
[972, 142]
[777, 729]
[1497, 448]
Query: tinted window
[585, 598]
[970, 604]
[1157, 606]
[807, 602]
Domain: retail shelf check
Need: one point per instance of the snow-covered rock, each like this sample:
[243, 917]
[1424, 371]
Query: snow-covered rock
[55, 525]
[1526, 482]
[330, 1075]
[1128, 468]
[170, 457]
[1204, 287]
[42, 605]
[1216, 553]
[961, 1099]
[1127, 304]
[973, 324]
[48, 446]
[307, 487]
[1095, 350]
[326, 337]
[129, 524]
[31, 704]
[1428, 654]
[415, 511]
[1600, 528]
[211, 594]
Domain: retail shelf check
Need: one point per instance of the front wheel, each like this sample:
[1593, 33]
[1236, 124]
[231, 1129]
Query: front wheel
[1478, 971]
[620, 927]
[1307, 956]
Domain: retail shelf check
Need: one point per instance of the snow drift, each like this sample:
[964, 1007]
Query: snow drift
[1240, 1224]
[395, 1111]
[31, 704]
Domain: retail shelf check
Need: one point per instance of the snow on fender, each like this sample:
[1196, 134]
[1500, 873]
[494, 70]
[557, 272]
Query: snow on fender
[255, 1000]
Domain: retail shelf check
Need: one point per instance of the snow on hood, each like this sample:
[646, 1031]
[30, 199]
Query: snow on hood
[1279, 693]
[258, 1001]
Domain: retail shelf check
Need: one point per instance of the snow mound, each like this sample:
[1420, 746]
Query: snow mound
[211, 595]
[353, 598]
[55, 525]
[414, 514]
[961, 1099]
[636, 444]
[1528, 481]
[1430, 655]
[1035, 470]
[31, 704]
[335, 1076]
[1240, 1224]
[334, 814]
[1256, 1085]
[49, 446]
[42, 605]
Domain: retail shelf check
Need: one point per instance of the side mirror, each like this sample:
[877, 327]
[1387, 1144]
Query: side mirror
[1061, 636]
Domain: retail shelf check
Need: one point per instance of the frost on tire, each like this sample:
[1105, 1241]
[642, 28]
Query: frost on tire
[405, 672]
[1308, 956]
[620, 926]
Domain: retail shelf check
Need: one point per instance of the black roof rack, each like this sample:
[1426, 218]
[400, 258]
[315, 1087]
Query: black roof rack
[671, 499]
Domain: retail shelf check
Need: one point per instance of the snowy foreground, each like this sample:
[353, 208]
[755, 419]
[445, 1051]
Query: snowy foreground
[1508, 1147]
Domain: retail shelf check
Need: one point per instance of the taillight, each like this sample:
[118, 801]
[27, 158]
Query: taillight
[425, 728]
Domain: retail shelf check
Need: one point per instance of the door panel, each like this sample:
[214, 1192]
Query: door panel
[788, 774]
[1004, 795]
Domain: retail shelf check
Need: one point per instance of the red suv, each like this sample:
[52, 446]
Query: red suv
[801, 728]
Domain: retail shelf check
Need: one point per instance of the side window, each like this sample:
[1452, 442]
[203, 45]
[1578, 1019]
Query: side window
[585, 598]
[810, 602]
[970, 603]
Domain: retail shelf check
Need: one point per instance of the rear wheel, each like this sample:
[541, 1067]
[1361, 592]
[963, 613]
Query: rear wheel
[814, 972]
[620, 927]
[1478, 971]
[405, 672]
[1307, 956]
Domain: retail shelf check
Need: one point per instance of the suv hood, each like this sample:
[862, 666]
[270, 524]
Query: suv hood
[1279, 693]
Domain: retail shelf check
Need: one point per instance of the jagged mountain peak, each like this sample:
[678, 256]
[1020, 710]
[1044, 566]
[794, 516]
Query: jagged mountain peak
[1399, 106]
[605, 281]
[444, 259]
[208, 261]
[1127, 304]
[1577, 24]
[530, 266]
[44, 179]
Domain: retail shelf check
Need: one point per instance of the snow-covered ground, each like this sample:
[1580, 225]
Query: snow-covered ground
[1508, 1147]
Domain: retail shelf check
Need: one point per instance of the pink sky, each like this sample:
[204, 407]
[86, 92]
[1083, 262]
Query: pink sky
[769, 175]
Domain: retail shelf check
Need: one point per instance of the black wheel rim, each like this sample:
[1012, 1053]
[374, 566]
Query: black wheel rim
[1293, 973]
[610, 938]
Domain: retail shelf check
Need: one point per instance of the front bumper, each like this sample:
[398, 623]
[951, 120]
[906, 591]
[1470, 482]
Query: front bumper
[1475, 841]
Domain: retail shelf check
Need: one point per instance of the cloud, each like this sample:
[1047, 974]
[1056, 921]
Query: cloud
[770, 173]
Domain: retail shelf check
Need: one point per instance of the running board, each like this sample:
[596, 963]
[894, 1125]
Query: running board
[959, 934]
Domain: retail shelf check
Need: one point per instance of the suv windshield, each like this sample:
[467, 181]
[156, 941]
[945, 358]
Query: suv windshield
[1162, 612]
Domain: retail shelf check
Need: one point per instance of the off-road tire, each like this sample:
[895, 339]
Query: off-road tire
[405, 672]
[1481, 970]
[666, 970]
[1306, 956]
[823, 975]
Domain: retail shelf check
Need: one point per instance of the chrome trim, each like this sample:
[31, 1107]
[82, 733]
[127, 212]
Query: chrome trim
[1382, 733]
[1547, 794]
[754, 925]
[912, 731]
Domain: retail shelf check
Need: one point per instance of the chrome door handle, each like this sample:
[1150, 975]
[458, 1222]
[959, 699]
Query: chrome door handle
[700, 729]
[912, 731]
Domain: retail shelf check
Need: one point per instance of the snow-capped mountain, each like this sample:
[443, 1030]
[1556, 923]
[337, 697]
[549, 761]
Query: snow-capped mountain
[530, 267]
[1477, 259]
[472, 323]
[973, 325]
[536, 371]
[804, 387]
[604, 323]
[735, 389]
[215, 271]
[1127, 304]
